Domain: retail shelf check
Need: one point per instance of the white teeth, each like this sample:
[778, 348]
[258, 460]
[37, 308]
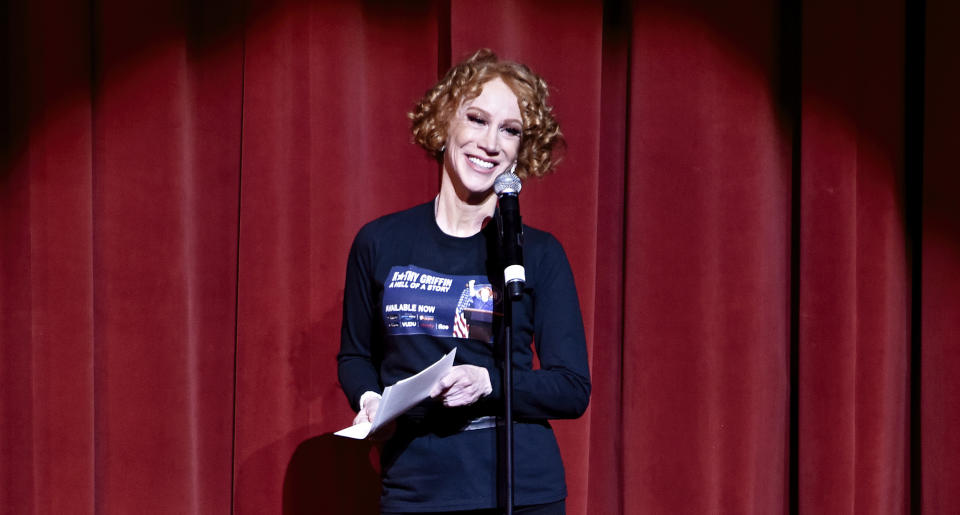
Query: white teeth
[481, 163]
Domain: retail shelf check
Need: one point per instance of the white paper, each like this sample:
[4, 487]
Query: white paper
[402, 396]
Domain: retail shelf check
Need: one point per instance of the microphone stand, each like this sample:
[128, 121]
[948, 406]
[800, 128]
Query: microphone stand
[510, 231]
[505, 448]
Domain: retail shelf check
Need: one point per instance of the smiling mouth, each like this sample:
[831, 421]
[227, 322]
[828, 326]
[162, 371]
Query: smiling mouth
[486, 165]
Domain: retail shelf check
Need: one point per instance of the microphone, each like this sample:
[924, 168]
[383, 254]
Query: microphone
[507, 187]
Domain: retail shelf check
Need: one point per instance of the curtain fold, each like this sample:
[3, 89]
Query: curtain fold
[166, 157]
[766, 273]
[854, 303]
[325, 149]
[706, 283]
[938, 303]
[46, 284]
[606, 428]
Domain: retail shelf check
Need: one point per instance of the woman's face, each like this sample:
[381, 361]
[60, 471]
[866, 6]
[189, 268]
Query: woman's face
[483, 139]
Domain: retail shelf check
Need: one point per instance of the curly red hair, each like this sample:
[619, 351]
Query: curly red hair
[541, 134]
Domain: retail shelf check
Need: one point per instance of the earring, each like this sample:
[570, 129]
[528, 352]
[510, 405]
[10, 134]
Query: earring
[443, 148]
[513, 167]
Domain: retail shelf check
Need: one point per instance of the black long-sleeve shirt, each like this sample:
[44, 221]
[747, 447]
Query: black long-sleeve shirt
[413, 293]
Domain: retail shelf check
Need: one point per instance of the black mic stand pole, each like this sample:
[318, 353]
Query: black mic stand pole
[510, 230]
[506, 444]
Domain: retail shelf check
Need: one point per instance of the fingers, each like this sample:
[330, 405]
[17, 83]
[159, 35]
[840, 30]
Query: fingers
[368, 412]
[445, 382]
[463, 385]
[361, 417]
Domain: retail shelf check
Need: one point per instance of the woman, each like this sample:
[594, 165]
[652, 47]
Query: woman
[425, 280]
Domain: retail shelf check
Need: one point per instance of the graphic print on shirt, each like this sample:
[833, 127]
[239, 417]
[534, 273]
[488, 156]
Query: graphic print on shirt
[421, 301]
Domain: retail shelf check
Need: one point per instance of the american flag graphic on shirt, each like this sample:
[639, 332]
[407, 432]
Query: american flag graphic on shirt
[460, 327]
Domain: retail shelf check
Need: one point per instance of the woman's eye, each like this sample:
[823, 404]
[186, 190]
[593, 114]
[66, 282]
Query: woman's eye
[513, 131]
[476, 119]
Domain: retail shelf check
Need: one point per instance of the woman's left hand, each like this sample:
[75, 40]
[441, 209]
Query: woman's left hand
[463, 385]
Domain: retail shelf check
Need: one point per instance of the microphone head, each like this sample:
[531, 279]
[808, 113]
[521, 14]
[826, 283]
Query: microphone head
[507, 183]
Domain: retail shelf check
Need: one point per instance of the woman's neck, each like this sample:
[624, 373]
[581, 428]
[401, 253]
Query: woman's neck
[462, 217]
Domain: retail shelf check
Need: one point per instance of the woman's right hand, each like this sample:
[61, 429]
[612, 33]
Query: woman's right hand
[368, 411]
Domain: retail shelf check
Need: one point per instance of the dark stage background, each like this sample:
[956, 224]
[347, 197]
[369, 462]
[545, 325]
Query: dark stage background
[758, 201]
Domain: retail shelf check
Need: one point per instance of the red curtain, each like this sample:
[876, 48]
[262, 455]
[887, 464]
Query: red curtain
[757, 200]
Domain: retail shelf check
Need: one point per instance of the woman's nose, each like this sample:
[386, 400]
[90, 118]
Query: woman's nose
[489, 141]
